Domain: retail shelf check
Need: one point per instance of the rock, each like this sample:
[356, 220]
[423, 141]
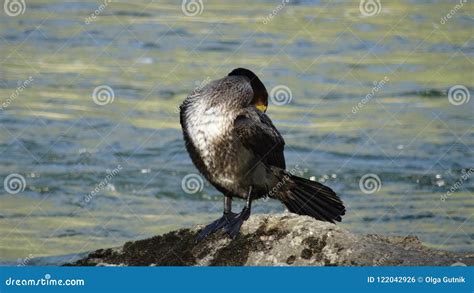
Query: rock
[275, 240]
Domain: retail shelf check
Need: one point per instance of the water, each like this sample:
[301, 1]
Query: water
[151, 55]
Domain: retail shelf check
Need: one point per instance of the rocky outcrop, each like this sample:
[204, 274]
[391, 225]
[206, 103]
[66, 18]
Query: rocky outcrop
[276, 240]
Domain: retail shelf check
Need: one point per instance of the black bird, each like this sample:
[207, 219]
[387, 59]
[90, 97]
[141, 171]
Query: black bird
[235, 145]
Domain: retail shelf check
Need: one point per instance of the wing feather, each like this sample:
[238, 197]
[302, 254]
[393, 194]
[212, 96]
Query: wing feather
[258, 134]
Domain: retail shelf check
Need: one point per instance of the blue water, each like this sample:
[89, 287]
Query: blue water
[151, 55]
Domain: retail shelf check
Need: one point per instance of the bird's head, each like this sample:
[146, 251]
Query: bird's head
[260, 94]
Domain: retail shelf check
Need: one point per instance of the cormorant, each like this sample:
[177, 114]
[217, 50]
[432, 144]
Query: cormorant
[235, 145]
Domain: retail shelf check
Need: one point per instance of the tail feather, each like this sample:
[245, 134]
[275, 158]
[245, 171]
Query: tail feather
[306, 197]
[306, 206]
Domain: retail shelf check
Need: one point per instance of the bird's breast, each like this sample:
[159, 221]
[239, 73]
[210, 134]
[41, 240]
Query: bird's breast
[227, 162]
[207, 129]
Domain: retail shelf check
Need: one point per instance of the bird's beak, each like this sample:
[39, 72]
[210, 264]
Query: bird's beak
[261, 107]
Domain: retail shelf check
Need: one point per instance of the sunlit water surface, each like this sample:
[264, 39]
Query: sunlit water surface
[151, 55]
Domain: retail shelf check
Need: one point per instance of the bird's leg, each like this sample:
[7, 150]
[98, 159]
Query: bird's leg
[227, 205]
[233, 227]
[219, 223]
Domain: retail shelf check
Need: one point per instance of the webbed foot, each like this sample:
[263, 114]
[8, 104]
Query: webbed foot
[232, 228]
[216, 225]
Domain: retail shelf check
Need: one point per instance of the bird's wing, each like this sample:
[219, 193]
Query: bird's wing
[258, 134]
